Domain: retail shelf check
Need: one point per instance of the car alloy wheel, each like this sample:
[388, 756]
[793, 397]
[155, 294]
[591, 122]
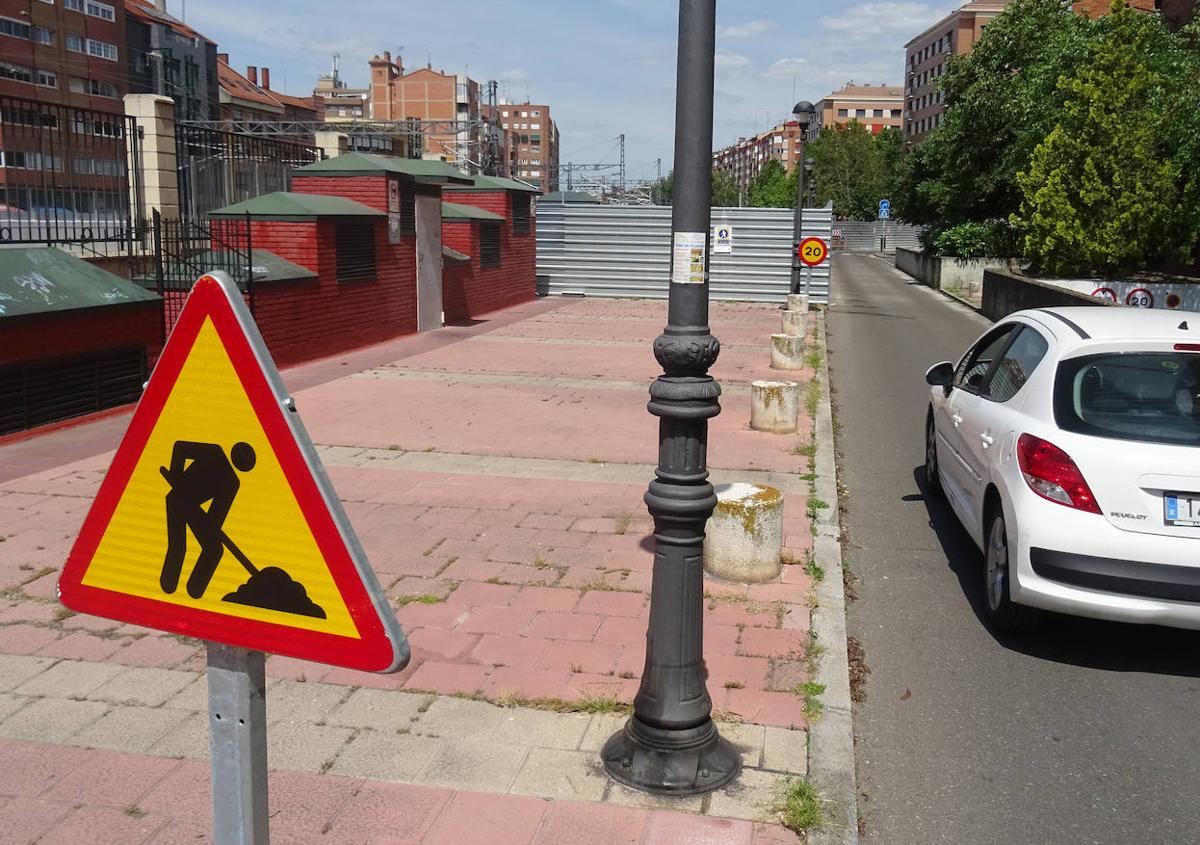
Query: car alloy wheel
[1002, 611]
[933, 482]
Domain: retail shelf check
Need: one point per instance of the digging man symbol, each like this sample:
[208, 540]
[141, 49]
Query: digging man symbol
[200, 473]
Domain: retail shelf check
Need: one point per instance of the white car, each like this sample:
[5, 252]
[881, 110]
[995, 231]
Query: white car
[1066, 442]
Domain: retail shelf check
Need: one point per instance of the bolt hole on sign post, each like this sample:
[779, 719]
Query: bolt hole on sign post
[216, 519]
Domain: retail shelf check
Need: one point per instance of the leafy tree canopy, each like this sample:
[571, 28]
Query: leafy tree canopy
[854, 169]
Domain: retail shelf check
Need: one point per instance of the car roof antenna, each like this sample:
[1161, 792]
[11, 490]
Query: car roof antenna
[1184, 325]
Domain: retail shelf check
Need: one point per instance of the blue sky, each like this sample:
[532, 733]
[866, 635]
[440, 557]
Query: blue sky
[604, 66]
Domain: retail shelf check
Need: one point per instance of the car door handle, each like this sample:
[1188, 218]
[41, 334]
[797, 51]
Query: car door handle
[957, 420]
[987, 439]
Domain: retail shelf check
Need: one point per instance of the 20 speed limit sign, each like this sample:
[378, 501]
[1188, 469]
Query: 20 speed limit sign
[813, 251]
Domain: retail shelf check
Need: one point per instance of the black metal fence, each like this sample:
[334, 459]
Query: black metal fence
[218, 168]
[68, 175]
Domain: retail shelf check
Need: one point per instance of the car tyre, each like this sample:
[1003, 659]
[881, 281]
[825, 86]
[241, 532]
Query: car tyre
[933, 481]
[1003, 613]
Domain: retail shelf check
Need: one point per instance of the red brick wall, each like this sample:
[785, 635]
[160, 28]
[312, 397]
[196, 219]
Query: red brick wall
[469, 291]
[73, 332]
[313, 319]
[369, 190]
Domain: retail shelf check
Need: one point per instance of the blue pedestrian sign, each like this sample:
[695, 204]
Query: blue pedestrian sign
[885, 209]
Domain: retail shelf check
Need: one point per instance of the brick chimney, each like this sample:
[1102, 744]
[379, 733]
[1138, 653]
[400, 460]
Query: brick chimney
[161, 5]
[266, 79]
[252, 74]
[223, 58]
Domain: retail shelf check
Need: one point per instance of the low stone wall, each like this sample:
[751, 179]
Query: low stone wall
[1005, 293]
[945, 272]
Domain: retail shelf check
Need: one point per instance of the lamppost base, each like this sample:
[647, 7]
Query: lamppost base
[670, 762]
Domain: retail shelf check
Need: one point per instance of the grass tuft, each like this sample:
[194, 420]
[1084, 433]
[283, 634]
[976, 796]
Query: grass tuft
[428, 598]
[799, 806]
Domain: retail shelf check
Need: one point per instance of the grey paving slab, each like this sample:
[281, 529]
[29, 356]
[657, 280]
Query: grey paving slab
[134, 729]
[189, 739]
[460, 718]
[10, 704]
[752, 797]
[747, 738]
[601, 728]
[786, 751]
[70, 678]
[379, 709]
[302, 702]
[381, 755]
[303, 746]
[192, 697]
[541, 728]
[625, 797]
[16, 669]
[51, 719]
[473, 764]
[558, 774]
[142, 685]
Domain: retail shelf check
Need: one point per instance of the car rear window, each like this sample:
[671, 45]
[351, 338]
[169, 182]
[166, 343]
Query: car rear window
[1152, 397]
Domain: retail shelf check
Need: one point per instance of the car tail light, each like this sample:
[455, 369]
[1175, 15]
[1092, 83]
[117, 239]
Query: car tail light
[1050, 472]
[1187, 347]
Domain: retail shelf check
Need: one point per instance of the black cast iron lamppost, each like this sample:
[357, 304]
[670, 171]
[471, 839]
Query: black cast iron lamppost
[670, 744]
[805, 113]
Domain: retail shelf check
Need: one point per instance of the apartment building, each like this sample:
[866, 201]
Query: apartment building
[876, 107]
[431, 95]
[534, 139]
[745, 159]
[166, 56]
[242, 98]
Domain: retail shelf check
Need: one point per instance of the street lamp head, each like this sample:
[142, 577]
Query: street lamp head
[804, 112]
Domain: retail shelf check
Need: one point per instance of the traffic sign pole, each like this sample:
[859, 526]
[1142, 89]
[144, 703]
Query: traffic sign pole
[237, 719]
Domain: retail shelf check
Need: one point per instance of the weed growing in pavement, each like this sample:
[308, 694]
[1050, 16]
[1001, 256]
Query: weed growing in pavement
[734, 685]
[814, 570]
[428, 598]
[594, 460]
[587, 704]
[601, 586]
[540, 562]
[799, 805]
[814, 360]
[812, 396]
[621, 521]
[63, 613]
[135, 812]
[808, 450]
[811, 692]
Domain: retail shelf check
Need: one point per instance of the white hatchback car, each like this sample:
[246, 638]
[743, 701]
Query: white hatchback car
[1066, 442]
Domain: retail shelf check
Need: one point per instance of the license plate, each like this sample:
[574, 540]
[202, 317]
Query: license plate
[1181, 509]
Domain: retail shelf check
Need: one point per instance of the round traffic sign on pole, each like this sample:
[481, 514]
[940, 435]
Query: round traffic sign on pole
[812, 251]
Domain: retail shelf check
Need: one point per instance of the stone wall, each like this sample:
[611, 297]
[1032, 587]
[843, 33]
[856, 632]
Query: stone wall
[1005, 292]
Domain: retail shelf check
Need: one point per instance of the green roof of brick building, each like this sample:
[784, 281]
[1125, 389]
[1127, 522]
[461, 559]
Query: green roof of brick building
[41, 280]
[369, 164]
[458, 211]
[492, 183]
[283, 205]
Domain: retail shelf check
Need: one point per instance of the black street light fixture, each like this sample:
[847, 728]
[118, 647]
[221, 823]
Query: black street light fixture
[670, 745]
[805, 113]
[809, 164]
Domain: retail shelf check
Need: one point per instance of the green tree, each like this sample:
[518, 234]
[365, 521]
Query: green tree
[854, 169]
[773, 187]
[662, 192]
[724, 190]
[1102, 191]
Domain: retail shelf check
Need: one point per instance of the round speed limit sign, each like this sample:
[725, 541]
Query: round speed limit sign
[813, 251]
[1140, 298]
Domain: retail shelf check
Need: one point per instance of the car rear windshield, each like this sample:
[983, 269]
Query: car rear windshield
[1152, 397]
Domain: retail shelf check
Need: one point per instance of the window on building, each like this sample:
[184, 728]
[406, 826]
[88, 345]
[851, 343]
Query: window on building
[17, 73]
[504, 114]
[895, 112]
[524, 114]
[102, 50]
[46, 79]
[536, 126]
[860, 113]
[73, 5]
[522, 213]
[41, 35]
[16, 29]
[489, 243]
[101, 10]
[100, 88]
[843, 112]
[878, 113]
[354, 244]
[535, 140]
[74, 43]
[536, 113]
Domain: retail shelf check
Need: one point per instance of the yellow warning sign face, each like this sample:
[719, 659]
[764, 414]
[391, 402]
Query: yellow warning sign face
[214, 520]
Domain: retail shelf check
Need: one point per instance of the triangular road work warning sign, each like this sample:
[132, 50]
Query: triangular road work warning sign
[216, 519]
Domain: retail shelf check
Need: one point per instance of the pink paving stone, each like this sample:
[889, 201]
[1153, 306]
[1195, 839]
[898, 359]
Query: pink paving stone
[89, 825]
[724, 613]
[448, 678]
[28, 611]
[770, 642]
[84, 622]
[183, 792]
[302, 803]
[564, 626]
[83, 646]
[582, 686]
[527, 682]
[465, 569]
[778, 591]
[588, 576]
[572, 822]
[720, 639]
[496, 620]
[388, 814]
[420, 587]
[593, 658]
[23, 820]
[112, 778]
[773, 834]
[546, 520]
[25, 639]
[667, 828]
[445, 615]
[623, 630]
[765, 708]
[441, 644]
[595, 525]
[473, 593]
[612, 603]
[155, 651]
[515, 573]
[354, 678]
[28, 769]
[500, 650]
[473, 818]
[279, 666]
[546, 598]
[632, 660]
[750, 672]
[45, 587]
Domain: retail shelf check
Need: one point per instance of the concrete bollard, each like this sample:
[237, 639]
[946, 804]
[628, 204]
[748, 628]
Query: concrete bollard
[798, 302]
[774, 406]
[787, 352]
[794, 323]
[744, 536]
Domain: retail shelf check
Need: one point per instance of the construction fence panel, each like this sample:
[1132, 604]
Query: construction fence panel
[625, 251]
[869, 236]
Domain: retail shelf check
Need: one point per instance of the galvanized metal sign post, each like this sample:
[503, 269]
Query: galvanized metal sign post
[216, 451]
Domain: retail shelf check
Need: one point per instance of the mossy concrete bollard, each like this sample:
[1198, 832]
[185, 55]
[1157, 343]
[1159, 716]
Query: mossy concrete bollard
[798, 302]
[787, 352]
[774, 406]
[794, 323]
[744, 536]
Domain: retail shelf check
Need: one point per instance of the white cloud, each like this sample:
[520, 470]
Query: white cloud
[726, 60]
[749, 29]
[868, 21]
[787, 68]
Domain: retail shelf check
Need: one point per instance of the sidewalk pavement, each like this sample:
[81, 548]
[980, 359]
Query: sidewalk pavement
[494, 474]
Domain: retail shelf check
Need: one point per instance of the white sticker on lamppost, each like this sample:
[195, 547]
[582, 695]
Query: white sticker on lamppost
[688, 258]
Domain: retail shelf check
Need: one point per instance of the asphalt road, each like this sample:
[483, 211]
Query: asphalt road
[1085, 732]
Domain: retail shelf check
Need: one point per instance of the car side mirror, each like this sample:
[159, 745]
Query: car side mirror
[940, 375]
